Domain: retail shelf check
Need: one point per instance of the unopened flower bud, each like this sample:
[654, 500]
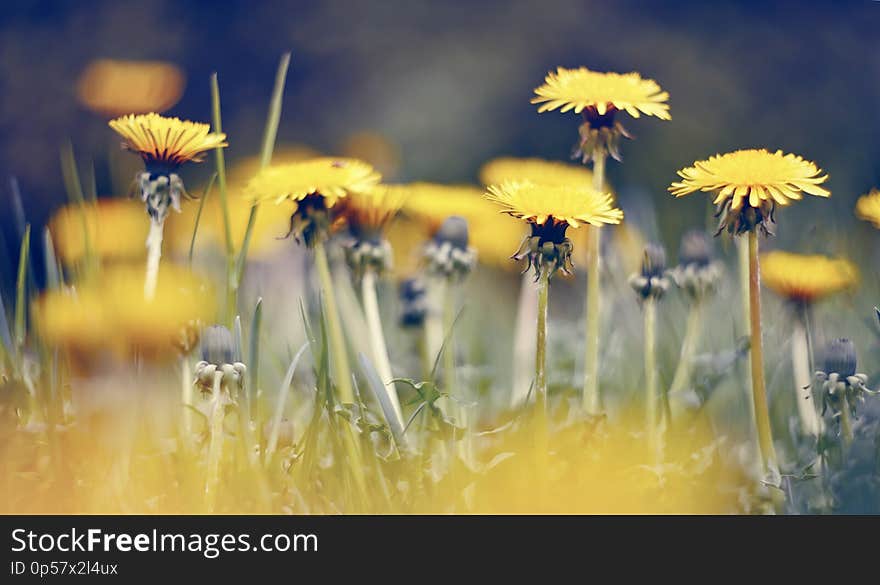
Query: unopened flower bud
[840, 358]
[696, 249]
[217, 345]
[454, 230]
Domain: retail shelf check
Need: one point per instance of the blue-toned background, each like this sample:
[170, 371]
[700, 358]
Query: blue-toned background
[449, 83]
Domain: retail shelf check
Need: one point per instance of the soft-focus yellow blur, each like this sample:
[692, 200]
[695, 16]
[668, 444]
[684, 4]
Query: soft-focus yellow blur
[108, 314]
[113, 88]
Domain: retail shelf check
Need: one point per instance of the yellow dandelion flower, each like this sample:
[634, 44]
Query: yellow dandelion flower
[98, 316]
[868, 207]
[753, 176]
[113, 88]
[751, 179]
[549, 210]
[537, 170]
[313, 187]
[555, 204]
[580, 89]
[806, 278]
[330, 178]
[167, 142]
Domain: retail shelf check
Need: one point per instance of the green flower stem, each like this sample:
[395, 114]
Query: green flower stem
[685, 367]
[541, 345]
[449, 350]
[800, 361]
[541, 418]
[649, 308]
[154, 253]
[434, 319]
[742, 250]
[759, 390]
[215, 447]
[377, 339]
[524, 340]
[186, 397]
[342, 370]
[846, 430]
[592, 401]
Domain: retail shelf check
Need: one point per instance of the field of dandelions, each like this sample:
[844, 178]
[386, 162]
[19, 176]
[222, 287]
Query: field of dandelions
[297, 336]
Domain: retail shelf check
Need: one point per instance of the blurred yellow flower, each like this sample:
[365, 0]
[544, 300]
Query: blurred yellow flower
[429, 204]
[555, 204]
[369, 212]
[113, 87]
[110, 314]
[537, 170]
[116, 230]
[752, 176]
[432, 203]
[806, 278]
[608, 469]
[580, 89]
[868, 207]
[166, 142]
[331, 178]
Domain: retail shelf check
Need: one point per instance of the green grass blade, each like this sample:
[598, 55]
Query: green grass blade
[253, 362]
[91, 193]
[221, 165]
[53, 275]
[204, 197]
[270, 135]
[274, 119]
[5, 334]
[21, 289]
[236, 339]
[75, 193]
[283, 390]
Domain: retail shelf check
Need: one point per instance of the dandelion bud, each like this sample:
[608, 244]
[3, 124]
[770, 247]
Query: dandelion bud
[840, 358]
[696, 249]
[217, 345]
[654, 261]
[448, 253]
[453, 230]
[651, 281]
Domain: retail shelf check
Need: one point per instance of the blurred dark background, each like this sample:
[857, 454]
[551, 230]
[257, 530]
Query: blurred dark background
[449, 83]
